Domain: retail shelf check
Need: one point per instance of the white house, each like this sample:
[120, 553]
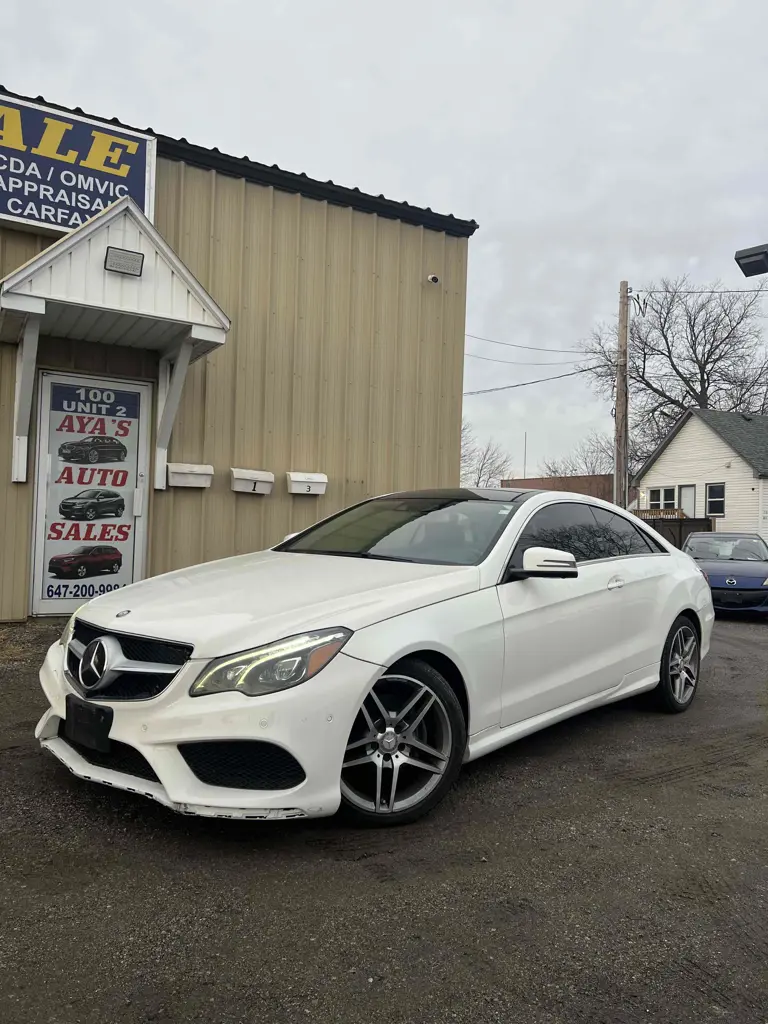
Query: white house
[714, 465]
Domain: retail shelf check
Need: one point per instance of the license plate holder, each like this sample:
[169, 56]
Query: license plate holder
[88, 724]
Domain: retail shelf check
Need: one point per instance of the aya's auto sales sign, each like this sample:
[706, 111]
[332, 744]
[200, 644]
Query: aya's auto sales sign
[57, 170]
[92, 467]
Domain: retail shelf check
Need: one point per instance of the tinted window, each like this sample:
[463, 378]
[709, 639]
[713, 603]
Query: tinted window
[454, 530]
[91, 493]
[565, 526]
[619, 535]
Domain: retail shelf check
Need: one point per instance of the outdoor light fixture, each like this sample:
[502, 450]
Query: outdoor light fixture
[753, 261]
[123, 261]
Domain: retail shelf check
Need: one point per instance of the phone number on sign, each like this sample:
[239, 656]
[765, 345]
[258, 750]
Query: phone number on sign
[80, 589]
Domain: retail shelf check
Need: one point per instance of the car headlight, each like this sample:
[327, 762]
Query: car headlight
[274, 667]
[69, 629]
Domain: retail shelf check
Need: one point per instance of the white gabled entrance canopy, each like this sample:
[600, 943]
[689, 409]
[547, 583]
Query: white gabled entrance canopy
[67, 292]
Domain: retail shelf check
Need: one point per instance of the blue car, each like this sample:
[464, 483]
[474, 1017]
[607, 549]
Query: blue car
[736, 565]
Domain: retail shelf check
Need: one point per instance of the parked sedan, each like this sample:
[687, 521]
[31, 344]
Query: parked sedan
[93, 449]
[362, 662]
[736, 565]
[88, 560]
[92, 504]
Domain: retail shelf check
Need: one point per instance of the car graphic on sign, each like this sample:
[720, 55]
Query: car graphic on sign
[88, 560]
[93, 503]
[93, 449]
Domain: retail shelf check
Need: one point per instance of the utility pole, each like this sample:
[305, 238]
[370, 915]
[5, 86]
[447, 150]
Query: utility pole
[621, 452]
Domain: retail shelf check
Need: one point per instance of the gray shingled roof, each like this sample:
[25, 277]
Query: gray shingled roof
[745, 433]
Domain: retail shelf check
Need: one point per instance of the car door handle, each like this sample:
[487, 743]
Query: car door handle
[616, 583]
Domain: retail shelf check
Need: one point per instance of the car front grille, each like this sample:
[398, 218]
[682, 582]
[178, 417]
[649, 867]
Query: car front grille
[243, 764]
[121, 758]
[725, 597]
[129, 685]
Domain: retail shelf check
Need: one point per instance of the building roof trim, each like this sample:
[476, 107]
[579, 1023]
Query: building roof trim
[275, 177]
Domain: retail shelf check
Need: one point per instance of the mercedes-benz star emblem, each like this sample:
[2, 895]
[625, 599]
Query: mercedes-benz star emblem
[93, 664]
[98, 665]
[730, 582]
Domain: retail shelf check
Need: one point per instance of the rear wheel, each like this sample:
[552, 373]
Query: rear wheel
[680, 667]
[115, 567]
[405, 748]
[121, 455]
[119, 511]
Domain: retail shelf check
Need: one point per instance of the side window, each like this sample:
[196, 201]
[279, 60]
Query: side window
[566, 526]
[618, 535]
[715, 499]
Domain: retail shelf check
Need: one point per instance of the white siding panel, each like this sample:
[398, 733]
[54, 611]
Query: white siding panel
[78, 277]
[698, 456]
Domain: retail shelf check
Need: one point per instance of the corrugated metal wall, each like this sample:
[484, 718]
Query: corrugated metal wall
[342, 359]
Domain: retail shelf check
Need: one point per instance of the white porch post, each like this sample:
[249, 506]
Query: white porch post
[26, 358]
[170, 386]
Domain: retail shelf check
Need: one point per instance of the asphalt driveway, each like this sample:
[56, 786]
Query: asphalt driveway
[611, 870]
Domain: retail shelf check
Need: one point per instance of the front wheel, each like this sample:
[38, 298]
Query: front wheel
[405, 749]
[680, 667]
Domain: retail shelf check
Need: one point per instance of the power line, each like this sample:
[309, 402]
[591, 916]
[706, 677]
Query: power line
[530, 348]
[525, 383]
[705, 291]
[512, 362]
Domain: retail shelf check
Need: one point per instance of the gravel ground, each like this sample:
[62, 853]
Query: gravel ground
[610, 870]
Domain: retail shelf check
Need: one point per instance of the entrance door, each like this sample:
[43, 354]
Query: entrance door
[686, 499]
[92, 468]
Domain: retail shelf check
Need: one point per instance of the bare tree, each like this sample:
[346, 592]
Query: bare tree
[689, 346]
[482, 465]
[592, 456]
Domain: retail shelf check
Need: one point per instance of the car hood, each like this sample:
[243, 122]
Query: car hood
[242, 602]
[746, 573]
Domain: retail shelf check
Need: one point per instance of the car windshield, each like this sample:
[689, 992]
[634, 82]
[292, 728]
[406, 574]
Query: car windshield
[455, 529]
[87, 494]
[727, 548]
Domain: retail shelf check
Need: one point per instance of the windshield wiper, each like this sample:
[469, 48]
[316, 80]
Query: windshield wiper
[352, 554]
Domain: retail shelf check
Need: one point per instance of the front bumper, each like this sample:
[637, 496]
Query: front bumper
[311, 721]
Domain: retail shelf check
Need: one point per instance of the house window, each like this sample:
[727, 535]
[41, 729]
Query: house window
[715, 499]
[661, 497]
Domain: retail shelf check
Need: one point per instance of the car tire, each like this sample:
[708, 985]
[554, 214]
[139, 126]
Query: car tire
[93, 456]
[81, 571]
[115, 567]
[680, 667]
[119, 511]
[420, 752]
[91, 514]
[121, 456]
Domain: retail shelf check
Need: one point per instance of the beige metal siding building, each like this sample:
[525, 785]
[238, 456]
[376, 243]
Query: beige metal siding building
[342, 359]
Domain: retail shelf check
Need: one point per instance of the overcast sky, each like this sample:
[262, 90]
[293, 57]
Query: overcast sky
[591, 139]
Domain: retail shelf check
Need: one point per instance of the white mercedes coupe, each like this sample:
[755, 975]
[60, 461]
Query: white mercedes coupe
[360, 663]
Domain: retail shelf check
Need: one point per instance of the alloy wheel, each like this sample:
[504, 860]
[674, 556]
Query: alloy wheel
[399, 747]
[91, 513]
[82, 571]
[93, 456]
[684, 664]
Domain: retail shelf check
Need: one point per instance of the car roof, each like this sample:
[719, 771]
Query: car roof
[722, 535]
[467, 493]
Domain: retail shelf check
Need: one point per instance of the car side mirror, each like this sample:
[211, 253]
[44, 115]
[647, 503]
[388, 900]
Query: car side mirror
[548, 562]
